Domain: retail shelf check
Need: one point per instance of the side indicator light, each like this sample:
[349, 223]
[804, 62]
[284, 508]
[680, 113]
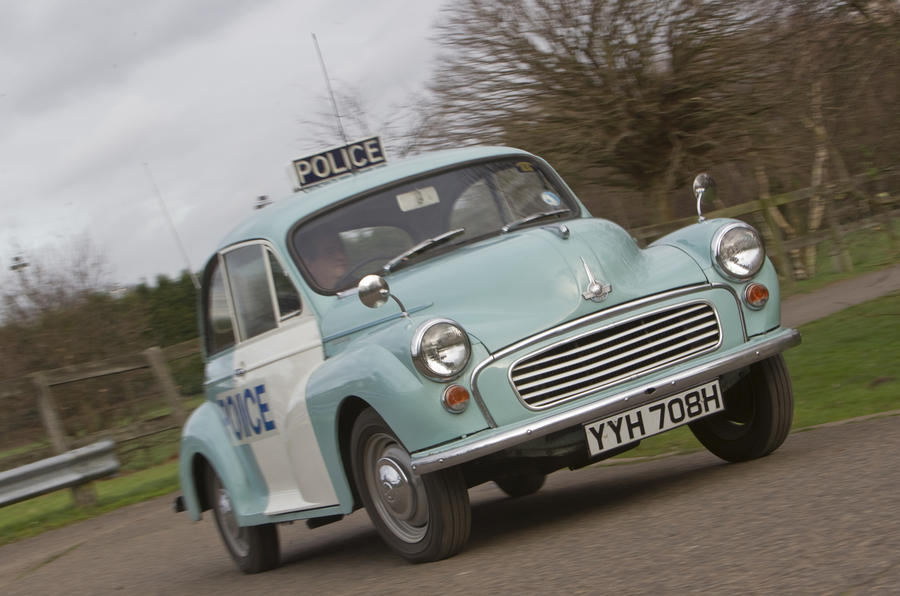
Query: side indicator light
[756, 295]
[455, 399]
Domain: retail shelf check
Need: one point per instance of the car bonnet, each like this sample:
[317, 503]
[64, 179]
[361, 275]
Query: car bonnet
[511, 286]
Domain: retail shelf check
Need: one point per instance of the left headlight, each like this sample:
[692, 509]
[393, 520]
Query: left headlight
[440, 349]
[738, 251]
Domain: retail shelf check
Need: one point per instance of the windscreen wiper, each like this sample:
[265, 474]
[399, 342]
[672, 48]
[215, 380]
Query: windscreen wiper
[420, 248]
[533, 217]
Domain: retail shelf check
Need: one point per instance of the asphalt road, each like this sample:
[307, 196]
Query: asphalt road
[803, 308]
[819, 516]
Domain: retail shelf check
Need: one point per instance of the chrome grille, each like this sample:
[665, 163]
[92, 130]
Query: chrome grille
[612, 354]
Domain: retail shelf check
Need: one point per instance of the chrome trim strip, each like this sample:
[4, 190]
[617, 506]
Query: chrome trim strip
[398, 315]
[521, 384]
[476, 395]
[571, 325]
[599, 316]
[592, 346]
[597, 387]
[497, 440]
[737, 300]
[681, 308]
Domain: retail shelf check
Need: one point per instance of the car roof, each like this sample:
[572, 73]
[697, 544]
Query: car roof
[274, 221]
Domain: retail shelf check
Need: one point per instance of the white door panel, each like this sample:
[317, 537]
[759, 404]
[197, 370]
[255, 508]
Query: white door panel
[289, 459]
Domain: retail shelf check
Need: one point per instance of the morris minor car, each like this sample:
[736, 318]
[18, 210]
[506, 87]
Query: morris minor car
[391, 339]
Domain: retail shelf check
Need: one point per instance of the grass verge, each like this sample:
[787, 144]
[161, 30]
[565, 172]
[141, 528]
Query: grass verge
[58, 509]
[870, 250]
[847, 366]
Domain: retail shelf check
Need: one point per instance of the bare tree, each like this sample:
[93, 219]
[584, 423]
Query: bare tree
[54, 279]
[629, 98]
[359, 119]
[837, 67]
[638, 94]
[58, 311]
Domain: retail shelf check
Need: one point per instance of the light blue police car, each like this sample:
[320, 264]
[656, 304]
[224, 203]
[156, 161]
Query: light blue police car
[519, 335]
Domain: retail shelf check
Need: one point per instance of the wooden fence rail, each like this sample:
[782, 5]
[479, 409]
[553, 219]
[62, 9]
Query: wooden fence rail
[154, 359]
[838, 221]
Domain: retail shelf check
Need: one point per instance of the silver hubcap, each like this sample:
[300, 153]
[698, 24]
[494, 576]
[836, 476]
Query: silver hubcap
[235, 535]
[398, 494]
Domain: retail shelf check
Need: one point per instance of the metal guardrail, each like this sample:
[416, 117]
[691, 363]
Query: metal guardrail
[67, 470]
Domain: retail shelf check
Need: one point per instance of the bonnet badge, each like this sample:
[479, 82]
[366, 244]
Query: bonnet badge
[596, 291]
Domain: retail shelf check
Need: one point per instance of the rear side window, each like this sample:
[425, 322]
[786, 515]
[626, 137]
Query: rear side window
[249, 280]
[251, 291]
[219, 331]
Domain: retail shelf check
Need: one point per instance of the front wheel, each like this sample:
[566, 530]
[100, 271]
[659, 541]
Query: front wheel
[253, 548]
[757, 416]
[423, 518]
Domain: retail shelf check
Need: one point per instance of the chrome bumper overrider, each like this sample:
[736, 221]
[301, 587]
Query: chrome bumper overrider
[498, 439]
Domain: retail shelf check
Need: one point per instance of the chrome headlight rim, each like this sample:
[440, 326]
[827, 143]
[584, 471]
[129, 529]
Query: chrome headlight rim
[420, 358]
[721, 264]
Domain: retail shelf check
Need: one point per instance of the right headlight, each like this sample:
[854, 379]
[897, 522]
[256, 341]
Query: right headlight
[440, 349]
[738, 251]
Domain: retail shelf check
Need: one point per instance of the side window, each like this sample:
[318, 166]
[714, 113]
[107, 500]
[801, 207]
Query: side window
[249, 280]
[286, 295]
[219, 333]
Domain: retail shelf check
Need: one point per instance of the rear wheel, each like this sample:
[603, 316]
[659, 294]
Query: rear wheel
[423, 518]
[757, 417]
[253, 548]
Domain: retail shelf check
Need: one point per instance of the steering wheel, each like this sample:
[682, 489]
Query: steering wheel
[352, 274]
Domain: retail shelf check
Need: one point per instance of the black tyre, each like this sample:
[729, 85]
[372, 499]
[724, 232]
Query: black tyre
[522, 484]
[253, 548]
[423, 518]
[757, 417]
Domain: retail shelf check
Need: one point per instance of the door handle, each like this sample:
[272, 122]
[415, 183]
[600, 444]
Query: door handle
[240, 372]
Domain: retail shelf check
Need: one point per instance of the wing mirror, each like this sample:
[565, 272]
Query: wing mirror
[704, 192]
[374, 292]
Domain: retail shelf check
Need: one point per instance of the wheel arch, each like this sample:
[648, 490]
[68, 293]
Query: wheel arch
[200, 467]
[349, 411]
[206, 445]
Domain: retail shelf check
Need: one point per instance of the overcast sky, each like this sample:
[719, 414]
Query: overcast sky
[211, 94]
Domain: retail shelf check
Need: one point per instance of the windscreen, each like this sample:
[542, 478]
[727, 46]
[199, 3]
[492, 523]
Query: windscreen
[340, 246]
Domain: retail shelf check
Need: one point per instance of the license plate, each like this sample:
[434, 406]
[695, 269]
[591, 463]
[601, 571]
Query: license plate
[653, 418]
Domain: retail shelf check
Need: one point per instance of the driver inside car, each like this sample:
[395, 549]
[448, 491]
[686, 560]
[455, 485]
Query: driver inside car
[327, 260]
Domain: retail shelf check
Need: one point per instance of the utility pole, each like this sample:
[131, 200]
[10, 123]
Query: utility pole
[165, 211]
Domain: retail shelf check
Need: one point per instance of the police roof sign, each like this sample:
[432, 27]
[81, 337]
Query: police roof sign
[338, 161]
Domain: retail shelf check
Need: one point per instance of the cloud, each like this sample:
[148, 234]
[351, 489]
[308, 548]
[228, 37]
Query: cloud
[57, 51]
[211, 94]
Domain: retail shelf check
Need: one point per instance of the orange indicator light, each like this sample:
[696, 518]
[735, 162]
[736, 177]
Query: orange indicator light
[455, 398]
[756, 295]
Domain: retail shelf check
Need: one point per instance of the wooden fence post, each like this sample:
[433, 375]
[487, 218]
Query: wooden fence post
[50, 414]
[839, 253]
[883, 205]
[778, 254]
[160, 370]
[84, 495]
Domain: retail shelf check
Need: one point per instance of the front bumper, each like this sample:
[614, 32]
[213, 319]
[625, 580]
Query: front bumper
[497, 439]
